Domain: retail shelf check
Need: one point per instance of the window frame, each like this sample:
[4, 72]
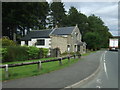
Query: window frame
[38, 42]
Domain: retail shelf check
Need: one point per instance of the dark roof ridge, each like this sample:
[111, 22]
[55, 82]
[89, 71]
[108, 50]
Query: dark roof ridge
[42, 30]
[65, 27]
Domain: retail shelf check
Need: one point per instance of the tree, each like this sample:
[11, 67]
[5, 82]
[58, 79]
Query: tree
[95, 24]
[57, 13]
[74, 17]
[23, 16]
[93, 40]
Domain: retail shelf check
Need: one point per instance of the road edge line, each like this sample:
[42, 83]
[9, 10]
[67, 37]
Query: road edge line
[87, 78]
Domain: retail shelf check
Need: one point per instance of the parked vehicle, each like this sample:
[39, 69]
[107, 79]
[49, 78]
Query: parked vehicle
[113, 44]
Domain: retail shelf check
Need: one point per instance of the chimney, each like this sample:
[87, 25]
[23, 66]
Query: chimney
[76, 25]
[56, 26]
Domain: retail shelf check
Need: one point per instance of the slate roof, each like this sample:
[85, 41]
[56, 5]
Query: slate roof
[37, 34]
[63, 31]
[47, 33]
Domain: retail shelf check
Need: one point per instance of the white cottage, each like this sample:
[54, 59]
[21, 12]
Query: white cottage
[38, 38]
[64, 38]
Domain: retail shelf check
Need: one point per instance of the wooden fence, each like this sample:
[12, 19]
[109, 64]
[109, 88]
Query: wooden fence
[6, 66]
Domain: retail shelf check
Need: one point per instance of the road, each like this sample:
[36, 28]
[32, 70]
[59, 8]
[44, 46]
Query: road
[60, 78]
[108, 75]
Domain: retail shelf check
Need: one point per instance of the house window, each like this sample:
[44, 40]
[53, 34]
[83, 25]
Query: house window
[75, 48]
[68, 48]
[40, 42]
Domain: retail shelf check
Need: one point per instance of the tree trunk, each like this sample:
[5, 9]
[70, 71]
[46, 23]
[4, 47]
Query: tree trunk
[28, 30]
[23, 31]
[14, 37]
[14, 33]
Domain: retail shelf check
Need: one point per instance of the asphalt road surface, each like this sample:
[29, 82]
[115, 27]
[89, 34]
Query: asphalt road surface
[108, 75]
[60, 78]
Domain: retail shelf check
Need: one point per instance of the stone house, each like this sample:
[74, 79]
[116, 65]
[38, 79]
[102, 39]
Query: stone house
[67, 39]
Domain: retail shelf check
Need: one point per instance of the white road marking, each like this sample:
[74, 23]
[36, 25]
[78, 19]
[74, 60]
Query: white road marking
[105, 68]
[101, 57]
[99, 81]
[102, 60]
[98, 87]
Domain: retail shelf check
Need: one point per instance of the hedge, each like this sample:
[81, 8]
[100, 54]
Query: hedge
[21, 53]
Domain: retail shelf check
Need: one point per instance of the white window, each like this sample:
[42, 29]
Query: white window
[40, 42]
[68, 48]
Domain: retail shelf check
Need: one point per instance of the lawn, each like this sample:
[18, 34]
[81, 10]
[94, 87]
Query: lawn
[32, 70]
[29, 60]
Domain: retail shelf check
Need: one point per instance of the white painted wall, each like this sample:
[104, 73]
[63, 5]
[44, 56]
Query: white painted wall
[33, 41]
[22, 43]
[47, 43]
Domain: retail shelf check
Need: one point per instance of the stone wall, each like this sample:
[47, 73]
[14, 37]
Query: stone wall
[59, 42]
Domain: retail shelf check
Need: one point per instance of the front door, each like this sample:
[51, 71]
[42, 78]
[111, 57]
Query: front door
[78, 48]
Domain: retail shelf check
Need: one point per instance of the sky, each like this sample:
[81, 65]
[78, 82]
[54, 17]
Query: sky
[107, 11]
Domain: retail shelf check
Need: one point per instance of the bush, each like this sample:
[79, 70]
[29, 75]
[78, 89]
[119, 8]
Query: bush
[43, 52]
[21, 53]
[33, 52]
[7, 42]
[15, 53]
[65, 53]
[3, 53]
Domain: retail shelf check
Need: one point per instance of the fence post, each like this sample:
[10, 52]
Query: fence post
[74, 56]
[79, 56]
[39, 65]
[60, 61]
[68, 58]
[6, 71]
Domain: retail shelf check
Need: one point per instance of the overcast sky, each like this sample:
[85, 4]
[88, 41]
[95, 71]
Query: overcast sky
[107, 11]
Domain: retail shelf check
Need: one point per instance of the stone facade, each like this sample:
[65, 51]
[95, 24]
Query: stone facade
[67, 39]
[68, 43]
[59, 42]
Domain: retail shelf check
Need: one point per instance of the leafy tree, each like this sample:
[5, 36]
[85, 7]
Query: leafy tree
[7, 42]
[93, 40]
[23, 16]
[74, 17]
[95, 24]
[57, 13]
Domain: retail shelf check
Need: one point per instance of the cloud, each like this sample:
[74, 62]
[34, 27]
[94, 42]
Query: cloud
[116, 33]
[107, 11]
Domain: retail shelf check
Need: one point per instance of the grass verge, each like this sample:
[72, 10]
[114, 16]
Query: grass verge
[29, 60]
[89, 52]
[32, 70]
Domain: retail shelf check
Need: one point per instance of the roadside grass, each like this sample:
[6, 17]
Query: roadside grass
[32, 70]
[89, 52]
[29, 60]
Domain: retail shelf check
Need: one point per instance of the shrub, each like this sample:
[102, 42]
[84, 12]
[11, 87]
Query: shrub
[65, 53]
[72, 53]
[20, 53]
[3, 53]
[16, 53]
[33, 52]
[43, 52]
[7, 42]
